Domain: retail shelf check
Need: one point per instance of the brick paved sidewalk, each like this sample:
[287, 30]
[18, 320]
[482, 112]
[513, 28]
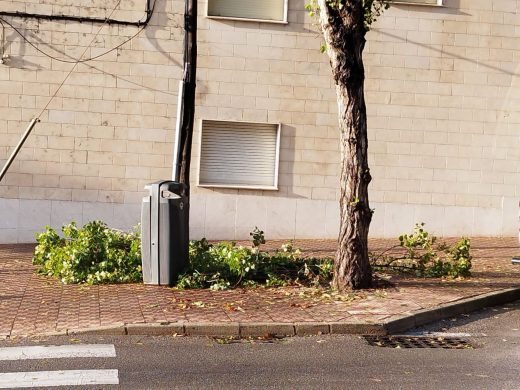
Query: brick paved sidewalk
[33, 304]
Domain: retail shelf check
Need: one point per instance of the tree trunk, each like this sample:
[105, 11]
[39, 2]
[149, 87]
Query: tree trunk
[344, 32]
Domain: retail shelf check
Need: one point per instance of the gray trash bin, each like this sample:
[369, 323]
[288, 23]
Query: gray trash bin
[164, 232]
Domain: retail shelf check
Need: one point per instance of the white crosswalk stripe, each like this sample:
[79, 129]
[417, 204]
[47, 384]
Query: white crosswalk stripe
[58, 378]
[36, 379]
[57, 351]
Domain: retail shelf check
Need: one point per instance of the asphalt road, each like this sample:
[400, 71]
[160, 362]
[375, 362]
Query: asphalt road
[324, 362]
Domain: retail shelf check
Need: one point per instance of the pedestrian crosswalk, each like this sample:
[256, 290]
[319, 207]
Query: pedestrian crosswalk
[58, 378]
[57, 351]
[35, 379]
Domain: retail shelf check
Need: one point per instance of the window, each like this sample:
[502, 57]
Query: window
[419, 2]
[239, 155]
[260, 10]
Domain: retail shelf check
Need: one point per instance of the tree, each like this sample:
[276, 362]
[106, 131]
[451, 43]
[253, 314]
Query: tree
[344, 24]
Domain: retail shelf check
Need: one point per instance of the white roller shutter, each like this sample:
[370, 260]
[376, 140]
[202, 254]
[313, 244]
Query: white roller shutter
[239, 154]
[271, 10]
[422, 2]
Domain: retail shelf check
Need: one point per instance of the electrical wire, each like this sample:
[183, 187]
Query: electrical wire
[77, 62]
[69, 61]
[73, 61]
[131, 82]
[36, 118]
[80, 19]
[150, 11]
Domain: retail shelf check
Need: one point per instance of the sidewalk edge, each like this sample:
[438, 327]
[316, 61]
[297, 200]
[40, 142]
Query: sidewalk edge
[466, 305]
[283, 329]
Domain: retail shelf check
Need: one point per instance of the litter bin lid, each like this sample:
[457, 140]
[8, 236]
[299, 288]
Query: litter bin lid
[167, 185]
[173, 186]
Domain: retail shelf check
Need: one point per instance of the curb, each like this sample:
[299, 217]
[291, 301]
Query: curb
[284, 329]
[466, 305]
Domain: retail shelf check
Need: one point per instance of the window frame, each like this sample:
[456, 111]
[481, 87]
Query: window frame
[235, 18]
[440, 3]
[274, 187]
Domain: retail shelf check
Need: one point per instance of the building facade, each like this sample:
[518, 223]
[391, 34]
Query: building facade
[442, 92]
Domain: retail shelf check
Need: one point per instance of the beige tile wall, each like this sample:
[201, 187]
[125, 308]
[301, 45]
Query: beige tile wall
[130, 10]
[443, 96]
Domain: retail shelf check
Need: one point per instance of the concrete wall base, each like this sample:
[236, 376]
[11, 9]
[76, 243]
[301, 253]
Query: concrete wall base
[233, 217]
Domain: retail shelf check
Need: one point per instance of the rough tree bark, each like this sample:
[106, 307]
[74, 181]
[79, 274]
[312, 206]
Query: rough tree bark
[344, 33]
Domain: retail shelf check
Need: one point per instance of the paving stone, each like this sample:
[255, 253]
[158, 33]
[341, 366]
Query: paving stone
[35, 304]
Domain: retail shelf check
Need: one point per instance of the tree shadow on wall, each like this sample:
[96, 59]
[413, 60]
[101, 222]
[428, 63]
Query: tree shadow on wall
[17, 61]
[163, 21]
[450, 7]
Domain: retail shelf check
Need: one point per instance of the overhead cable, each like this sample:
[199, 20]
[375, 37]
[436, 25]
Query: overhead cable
[36, 119]
[72, 61]
[82, 19]
[77, 62]
[149, 13]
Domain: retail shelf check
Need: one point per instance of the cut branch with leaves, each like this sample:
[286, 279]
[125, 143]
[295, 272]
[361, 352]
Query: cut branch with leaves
[424, 257]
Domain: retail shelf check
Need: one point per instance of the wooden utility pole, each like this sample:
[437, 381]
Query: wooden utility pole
[187, 110]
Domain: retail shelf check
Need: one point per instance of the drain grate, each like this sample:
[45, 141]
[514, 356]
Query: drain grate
[418, 342]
